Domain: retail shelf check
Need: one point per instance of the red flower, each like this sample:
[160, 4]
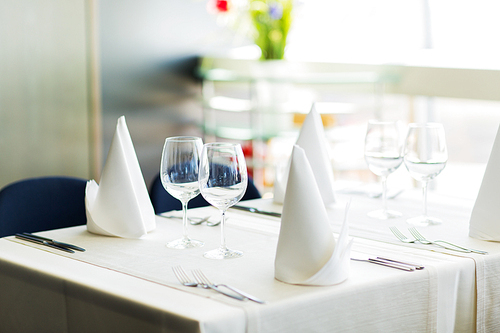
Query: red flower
[222, 5]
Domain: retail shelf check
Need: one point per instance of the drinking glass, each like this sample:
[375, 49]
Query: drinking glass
[425, 156]
[179, 176]
[383, 156]
[223, 181]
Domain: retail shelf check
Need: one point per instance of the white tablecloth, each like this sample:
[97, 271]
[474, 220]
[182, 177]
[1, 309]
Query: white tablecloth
[129, 283]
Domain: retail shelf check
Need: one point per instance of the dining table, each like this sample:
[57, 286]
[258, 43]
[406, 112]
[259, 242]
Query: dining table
[128, 285]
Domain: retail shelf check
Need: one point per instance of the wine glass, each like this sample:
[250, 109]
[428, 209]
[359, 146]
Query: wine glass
[223, 181]
[425, 156]
[383, 156]
[179, 176]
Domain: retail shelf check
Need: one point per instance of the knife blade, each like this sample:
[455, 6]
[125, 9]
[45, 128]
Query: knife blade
[52, 241]
[256, 210]
[42, 242]
[363, 258]
[417, 266]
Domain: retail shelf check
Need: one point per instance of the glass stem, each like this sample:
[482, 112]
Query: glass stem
[384, 192]
[223, 246]
[184, 220]
[424, 192]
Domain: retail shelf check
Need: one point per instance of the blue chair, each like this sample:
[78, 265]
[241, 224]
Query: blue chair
[163, 202]
[38, 204]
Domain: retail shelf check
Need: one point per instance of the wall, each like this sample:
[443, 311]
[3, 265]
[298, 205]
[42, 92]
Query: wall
[149, 50]
[48, 105]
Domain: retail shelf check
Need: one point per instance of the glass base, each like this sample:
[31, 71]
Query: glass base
[382, 214]
[423, 221]
[222, 253]
[184, 244]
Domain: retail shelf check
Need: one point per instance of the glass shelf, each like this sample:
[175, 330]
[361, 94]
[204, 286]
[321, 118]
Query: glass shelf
[256, 101]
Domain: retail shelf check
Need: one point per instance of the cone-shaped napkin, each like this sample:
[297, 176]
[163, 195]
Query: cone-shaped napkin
[307, 253]
[484, 223]
[120, 204]
[313, 140]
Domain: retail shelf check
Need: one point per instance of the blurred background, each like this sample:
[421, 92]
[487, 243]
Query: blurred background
[70, 69]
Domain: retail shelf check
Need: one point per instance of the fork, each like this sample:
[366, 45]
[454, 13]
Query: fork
[199, 277]
[202, 278]
[197, 220]
[183, 278]
[401, 236]
[208, 222]
[422, 239]
[425, 241]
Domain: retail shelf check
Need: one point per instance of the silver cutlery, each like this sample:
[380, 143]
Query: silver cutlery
[43, 242]
[399, 235]
[417, 266]
[424, 240]
[214, 224]
[421, 239]
[256, 210]
[403, 267]
[184, 279]
[207, 221]
[54, 242]
[202, 277]
[196, 220]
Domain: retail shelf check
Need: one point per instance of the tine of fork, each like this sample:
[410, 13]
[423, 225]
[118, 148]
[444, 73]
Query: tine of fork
[416, 234]
[184, 274]
[197, 277]
[397, 233]
[206, 284]
[177, 274]
[180, 274]
[204, 277]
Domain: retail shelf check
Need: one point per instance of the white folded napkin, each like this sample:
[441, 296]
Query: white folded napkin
[484, 223]
[307, 253]
[120, 205]
[313, 140]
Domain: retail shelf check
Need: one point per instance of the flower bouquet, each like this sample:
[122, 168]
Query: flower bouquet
[270, 22]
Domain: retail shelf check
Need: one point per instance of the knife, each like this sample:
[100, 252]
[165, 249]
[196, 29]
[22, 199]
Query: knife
[383, 263]
[54, 242]
[256, 210]
[417, 266]
[43, 242]
[387, 264]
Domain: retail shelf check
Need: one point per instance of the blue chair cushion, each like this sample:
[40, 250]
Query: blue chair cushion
[38, 204]
[163, 202]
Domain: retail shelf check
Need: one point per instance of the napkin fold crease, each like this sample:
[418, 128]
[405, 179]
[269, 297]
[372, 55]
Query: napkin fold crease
[120, 205]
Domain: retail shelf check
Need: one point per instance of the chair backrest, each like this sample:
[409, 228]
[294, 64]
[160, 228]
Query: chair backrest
[163, 202]
[38, 204]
